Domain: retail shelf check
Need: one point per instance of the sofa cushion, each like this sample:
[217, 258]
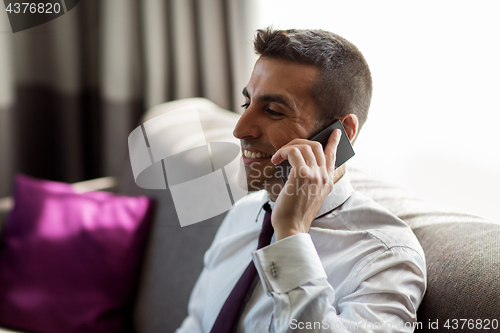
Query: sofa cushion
[69, 262]
[463, 264]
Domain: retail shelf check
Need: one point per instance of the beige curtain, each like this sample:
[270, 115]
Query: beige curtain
[72, 89]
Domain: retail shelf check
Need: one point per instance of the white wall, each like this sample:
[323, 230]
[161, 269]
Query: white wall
[434, 123]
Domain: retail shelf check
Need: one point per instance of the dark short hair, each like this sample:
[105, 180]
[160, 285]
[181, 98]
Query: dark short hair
[344, 83]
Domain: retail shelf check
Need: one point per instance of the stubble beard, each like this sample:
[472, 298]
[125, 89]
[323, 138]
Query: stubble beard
[253, 179]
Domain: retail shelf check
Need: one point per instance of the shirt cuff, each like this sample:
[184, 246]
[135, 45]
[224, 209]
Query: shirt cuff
[288, 263]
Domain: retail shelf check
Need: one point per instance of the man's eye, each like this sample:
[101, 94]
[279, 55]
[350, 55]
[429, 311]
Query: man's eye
[274, 113]
[245, 106]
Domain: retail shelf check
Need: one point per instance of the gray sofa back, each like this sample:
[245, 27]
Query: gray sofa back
[462, 251]
[462, 254]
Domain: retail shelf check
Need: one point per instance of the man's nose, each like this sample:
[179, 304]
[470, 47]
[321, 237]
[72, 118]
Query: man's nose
[248, 125]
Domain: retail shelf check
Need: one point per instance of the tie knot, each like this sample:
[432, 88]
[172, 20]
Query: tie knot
[267, 207]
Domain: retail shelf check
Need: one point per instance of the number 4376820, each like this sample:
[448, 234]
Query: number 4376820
[478, 324]
[32, 7]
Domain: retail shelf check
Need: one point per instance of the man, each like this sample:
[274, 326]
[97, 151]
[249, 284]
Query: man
[337, 262]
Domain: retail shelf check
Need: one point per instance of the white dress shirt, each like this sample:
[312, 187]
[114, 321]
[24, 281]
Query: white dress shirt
[359, 269]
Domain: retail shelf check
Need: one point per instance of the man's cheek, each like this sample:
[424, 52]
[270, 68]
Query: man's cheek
[242, 178]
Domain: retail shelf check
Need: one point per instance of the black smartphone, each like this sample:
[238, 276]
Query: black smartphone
[344, 149]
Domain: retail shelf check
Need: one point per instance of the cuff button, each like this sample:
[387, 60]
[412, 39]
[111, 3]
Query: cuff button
[274, 269]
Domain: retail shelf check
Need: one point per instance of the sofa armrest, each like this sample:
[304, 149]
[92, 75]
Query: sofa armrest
[6, 205]
[108, 184]
[4, 330]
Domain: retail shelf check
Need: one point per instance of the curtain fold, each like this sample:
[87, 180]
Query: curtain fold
[72, 89]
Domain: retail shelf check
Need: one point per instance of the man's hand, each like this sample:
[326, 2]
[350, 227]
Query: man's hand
[309, 183]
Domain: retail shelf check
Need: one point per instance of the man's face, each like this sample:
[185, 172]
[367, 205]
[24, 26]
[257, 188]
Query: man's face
[279, 108]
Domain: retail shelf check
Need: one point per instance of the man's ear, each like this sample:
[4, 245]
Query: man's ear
[351, 124]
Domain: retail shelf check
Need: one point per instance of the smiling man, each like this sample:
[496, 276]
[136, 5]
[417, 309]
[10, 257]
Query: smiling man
[311, 254]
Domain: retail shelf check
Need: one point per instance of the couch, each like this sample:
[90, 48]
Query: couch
[462, 250]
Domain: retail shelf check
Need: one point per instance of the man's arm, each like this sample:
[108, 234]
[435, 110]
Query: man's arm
[388, 287]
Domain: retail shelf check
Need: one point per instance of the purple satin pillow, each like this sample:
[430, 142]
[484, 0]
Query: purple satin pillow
[69, 262]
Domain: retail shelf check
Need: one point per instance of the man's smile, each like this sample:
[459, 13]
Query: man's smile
[255, 154]
[251, 155]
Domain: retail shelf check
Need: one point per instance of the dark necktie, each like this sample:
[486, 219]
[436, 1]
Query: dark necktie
[230, 311]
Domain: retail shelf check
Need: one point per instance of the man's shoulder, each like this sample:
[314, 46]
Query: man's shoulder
[362, 213]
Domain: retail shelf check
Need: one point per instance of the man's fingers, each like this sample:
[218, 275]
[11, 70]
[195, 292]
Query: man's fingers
[284, 153]
[312, 152]
[318, 153]
[294, 156]
[331, 150]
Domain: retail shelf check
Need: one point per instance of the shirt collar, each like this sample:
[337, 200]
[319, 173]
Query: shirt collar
[342, 190]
